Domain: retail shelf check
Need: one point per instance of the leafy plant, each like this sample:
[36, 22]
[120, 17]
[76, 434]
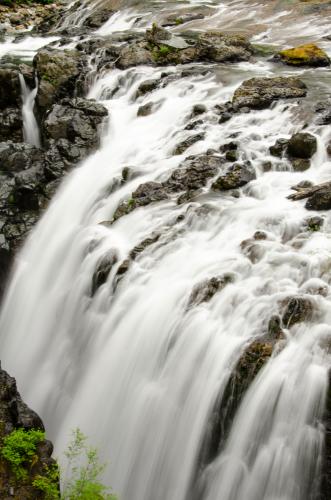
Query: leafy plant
[49, 483]
[19, 449]
[84, 470]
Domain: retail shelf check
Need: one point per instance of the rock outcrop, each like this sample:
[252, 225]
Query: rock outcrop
[305, 55]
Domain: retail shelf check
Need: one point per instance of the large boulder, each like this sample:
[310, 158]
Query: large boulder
[58, 72]
[260, 93]
[10, 88]
[305, 55]
[223, 47]
[302, 145]
[321, 200]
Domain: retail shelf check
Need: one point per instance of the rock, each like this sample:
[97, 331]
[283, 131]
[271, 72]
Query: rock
[198, 109]
[145, 194]
[102, 271]
[76, 122]
[302, 145]
[297, 309]
[146, 109]
[305, 55]
[147, 86]
[222, 47]
[58, 72]
[193, 173]
[98, 18]
[11, 125]
[15, 414]
[10, 88]
[229, 146]
[205, 290]
[321, 200]
[314, 223]
[6, 259]
[324, 111]
[135, 54]
[300, 165]
[231, 156]
[187, 143]
[235, 177]
[279, 148]
[260, 93]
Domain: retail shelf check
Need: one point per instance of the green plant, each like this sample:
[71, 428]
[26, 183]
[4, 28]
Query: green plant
[84, 470]
[49, 483]
[19, 449]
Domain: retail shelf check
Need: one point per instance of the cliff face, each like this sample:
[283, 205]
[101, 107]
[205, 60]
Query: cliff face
[15, 414]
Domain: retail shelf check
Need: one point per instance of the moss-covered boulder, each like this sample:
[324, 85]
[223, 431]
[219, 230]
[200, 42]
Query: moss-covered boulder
[305, 55]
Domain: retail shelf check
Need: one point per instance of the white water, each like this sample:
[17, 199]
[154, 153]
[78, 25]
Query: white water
[136, 370]
[30, 126]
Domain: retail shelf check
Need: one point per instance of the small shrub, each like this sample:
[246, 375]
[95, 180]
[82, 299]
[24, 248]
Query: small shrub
[49, 483]
[19, 449]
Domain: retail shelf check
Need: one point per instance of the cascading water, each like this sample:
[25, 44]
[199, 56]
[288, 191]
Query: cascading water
[132, 365]
[30, 125]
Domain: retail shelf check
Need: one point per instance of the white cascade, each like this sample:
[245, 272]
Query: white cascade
[30, 126]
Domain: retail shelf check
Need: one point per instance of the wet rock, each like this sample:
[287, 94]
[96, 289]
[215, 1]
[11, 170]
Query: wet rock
[302, 145]
[205, 290]
[194, 124]
[229, 146]
[135, 54]
[5, 266]
[58, 72]
[183, 17]
[225, 112]
[193, 173]
[147, 86]
[315, 286]
[296, 310]
[279, 148]
[251, 247]
[146, 109]
[305, 55]
[145, 194]
[260, 93]
[188, 196]
[147, 242]
[98, 18]
[321, 200]
[314, 223]
[324, 111]
[102, 271]
[187, 143]
[300, 164]
[236, 176]
[231, 155]
[302, 185]
[76, 121]
[198, 109]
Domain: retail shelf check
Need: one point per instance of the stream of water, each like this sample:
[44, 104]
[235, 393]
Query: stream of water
[136, 369]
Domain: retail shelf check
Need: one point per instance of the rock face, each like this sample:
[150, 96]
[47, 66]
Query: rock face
[305, 55]
[10, 105]
[260, 93]
[15, 414]
[58, 72]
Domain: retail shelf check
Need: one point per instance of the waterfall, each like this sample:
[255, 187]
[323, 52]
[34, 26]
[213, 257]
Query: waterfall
[132, 364]
[30, 125]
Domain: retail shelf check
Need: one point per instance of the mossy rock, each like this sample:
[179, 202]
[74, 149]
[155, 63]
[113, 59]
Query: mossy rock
[305, 55]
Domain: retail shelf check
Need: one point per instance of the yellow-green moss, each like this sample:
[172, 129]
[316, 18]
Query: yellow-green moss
[305, 55]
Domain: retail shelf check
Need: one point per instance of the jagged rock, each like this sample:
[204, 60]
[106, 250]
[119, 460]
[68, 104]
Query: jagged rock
[235, 177]
[75, 121]
[187, 143]
[297, 310]
[58, 72]
[135, 54]
[193, 173]
[145, 194]
[305, 55]
[259, 93]
[147, 86]
[11, 125]
[205, 291]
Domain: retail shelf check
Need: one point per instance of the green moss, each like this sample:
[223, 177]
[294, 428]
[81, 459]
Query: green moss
[303, 55]
[179, 21]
